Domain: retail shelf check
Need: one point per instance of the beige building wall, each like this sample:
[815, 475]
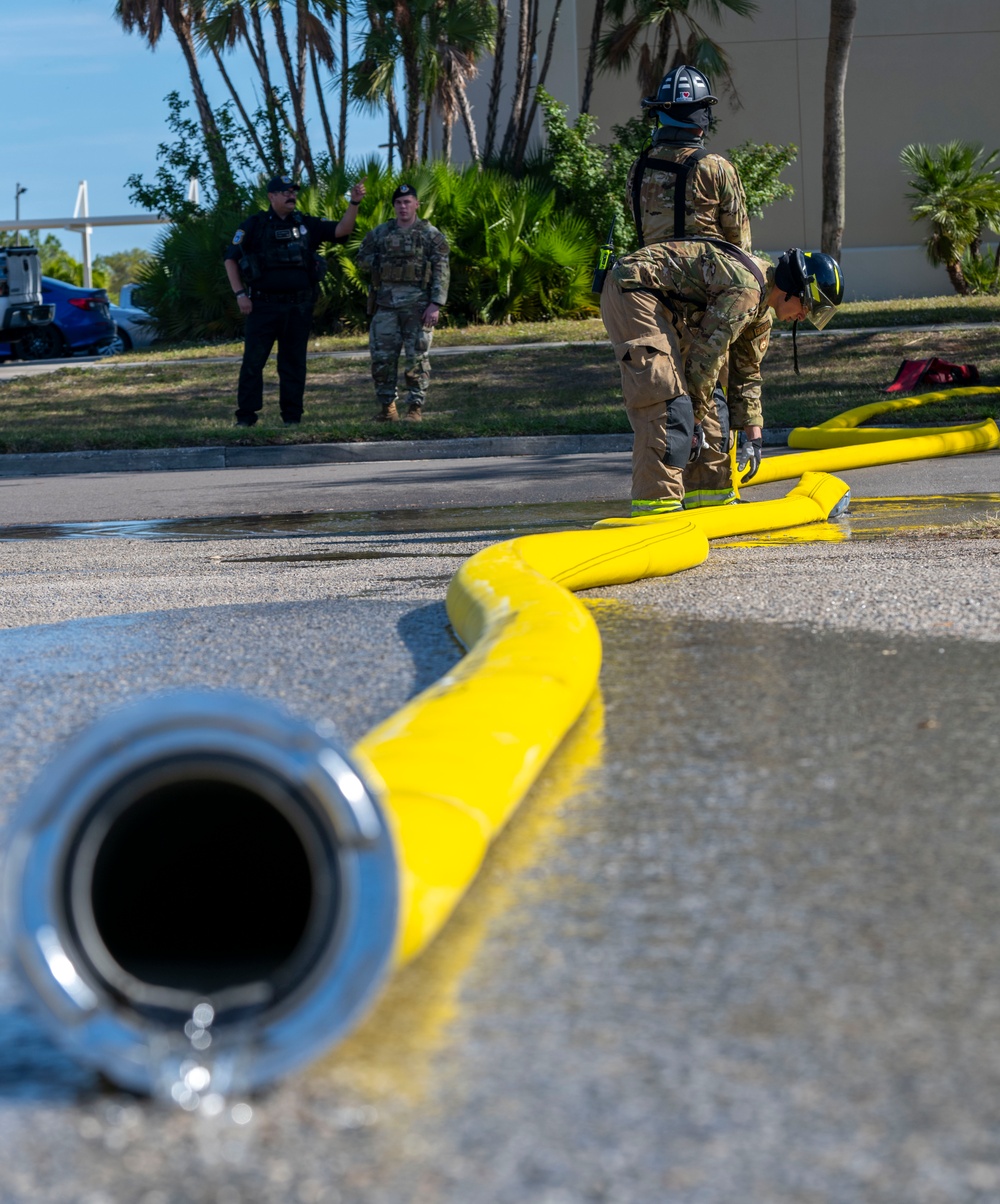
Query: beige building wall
[920, 71]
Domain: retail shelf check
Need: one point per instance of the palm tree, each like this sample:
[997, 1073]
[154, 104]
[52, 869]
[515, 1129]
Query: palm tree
[955, 187]
[842, 14]
[458, 32]
[222, 27]
[436, 44]
[372, 77]
[653, 35]
[396, 37]
[147, 17]
[345, 84]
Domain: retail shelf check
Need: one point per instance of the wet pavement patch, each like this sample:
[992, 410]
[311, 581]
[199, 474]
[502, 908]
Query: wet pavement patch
[499, 521]
[868, 518]
[884, 518]
[369, 553]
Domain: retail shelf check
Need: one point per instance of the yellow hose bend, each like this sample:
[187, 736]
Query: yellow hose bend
[983, 437]
[455, 761]
[837, 444]
[890, 405]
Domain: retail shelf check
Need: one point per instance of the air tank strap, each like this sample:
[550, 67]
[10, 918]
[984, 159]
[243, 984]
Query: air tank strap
[734, 252]
[648, 162]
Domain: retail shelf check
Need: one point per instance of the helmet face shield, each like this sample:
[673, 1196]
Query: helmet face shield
[819, 307]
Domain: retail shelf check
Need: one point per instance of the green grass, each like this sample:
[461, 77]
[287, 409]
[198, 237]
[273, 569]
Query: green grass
[558, 330]
[918, 311]
[175, 402]
[853, 315]
[841, 370]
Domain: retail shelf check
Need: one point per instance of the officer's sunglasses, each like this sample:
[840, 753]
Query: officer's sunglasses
[289, 192]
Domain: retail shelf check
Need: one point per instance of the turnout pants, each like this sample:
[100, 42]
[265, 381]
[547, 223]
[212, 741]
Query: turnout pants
[400, 330]
[650, 348]
[288, 325]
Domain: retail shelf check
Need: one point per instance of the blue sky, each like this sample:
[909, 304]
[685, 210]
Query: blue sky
[85, 102]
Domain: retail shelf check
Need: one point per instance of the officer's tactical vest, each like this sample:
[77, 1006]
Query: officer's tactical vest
[284, 246]
[653, 162]
[403, 256]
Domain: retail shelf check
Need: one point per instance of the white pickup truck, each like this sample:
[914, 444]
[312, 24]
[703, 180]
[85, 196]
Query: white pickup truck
[21, 308]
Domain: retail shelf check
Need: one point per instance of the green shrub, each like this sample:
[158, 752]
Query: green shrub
[515, 254]
[981, 273]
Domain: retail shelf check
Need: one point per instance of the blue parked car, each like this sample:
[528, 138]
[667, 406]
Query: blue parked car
[82, 323]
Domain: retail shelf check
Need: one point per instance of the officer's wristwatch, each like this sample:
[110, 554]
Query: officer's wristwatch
[241, 293]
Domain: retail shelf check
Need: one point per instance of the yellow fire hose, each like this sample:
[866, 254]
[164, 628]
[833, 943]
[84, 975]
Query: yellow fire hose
[840, 446]
[456, 761]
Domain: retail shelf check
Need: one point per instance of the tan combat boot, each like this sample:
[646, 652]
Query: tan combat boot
[388, 413]
[413, 413]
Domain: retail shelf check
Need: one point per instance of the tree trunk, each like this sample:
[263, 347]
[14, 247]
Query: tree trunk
[302, 151]
[301, 15]
[958, 281]
[344, 86]
[411, 79]
[321, 101]
[425, 140]
[470, 126]
[522, 81]
[222, 176]
[395, 126]
[842, 14]
[595, 37]
[259, 56]
[522, 144]
[250, 127]
[496, 79]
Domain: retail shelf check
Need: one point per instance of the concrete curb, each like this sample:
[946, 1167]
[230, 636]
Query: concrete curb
[199, 458]
[174, 459]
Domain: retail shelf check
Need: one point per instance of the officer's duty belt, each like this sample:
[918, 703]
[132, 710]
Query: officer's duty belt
[303, 294]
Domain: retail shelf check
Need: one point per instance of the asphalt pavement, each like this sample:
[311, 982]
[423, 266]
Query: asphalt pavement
[738, 944]
[410, 484]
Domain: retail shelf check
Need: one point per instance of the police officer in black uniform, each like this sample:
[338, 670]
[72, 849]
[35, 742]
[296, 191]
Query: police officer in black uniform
[274, 269]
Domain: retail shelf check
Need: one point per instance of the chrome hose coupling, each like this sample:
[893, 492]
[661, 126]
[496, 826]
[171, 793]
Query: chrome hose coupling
[202, 894]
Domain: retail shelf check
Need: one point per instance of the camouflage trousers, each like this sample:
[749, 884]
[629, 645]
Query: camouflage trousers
[651, 348]
[400, 330]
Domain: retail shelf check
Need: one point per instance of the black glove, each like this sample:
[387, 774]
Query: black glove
[748, 456]
[698, 443]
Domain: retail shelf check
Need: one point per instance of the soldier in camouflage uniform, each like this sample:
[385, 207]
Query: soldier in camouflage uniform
[407, 259]
[675, 312]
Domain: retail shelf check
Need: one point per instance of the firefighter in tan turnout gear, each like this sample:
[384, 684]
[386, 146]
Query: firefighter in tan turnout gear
[675, 312]
[408, 261]
[678, 189]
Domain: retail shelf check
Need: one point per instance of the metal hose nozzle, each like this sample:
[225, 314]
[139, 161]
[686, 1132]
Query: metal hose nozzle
[201, 880]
